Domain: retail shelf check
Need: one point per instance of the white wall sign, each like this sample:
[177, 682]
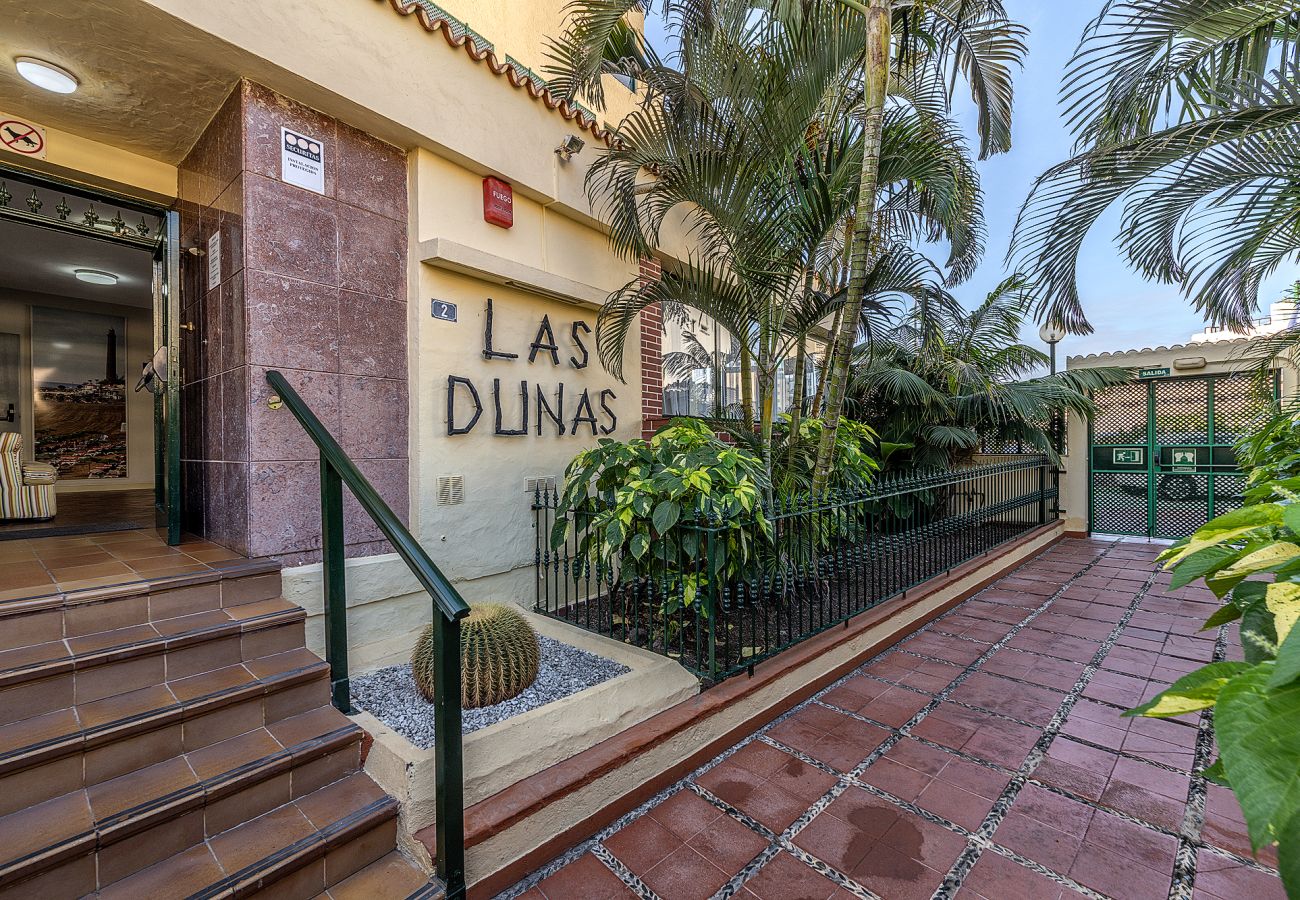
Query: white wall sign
[22, 137]
[302, 161]
[214, 260]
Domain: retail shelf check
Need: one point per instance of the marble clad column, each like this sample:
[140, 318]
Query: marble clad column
[312, 285]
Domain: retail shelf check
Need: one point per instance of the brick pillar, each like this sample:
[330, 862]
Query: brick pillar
[652, 361]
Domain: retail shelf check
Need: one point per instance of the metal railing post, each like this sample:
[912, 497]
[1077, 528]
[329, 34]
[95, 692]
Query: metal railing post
[335, 584]
[1042, 493]
[449, 799]
[711, 600]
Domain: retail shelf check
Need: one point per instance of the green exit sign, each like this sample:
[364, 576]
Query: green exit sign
[1131, 456]
[1153, 373]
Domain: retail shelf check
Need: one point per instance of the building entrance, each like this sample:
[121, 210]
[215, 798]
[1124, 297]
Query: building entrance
[88, 286]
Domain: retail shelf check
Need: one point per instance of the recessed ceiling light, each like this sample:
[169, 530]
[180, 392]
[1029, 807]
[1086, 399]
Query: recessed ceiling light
[94, 276]
[46, 75]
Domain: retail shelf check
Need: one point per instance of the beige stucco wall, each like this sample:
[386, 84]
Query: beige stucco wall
[557, 267]
[15, 318]
[1208, 358]
[381, 72]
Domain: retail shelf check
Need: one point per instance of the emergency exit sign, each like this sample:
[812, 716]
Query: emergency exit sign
[1153, 373]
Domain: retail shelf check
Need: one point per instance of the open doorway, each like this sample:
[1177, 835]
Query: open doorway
[84, 438]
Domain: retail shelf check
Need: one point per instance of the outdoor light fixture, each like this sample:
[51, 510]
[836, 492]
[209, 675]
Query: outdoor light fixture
[570, 147]
[1051, 333]
[46, 75]
[95, 276]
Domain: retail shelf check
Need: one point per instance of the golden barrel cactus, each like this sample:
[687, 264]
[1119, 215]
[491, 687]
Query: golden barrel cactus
[499, 656]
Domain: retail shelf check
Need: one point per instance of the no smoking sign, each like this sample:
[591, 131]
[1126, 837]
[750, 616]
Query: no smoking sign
[22, 137]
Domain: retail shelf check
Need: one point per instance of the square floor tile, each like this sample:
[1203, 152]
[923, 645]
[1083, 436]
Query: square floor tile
[785, 878]
[586, 878]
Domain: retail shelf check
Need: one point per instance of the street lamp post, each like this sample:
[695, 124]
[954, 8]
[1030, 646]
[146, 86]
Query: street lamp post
[1052, 333]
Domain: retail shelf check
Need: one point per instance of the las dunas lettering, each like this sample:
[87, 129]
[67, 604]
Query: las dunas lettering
[547, 406]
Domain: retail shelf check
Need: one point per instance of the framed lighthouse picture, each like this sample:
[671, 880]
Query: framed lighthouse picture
[79, 392]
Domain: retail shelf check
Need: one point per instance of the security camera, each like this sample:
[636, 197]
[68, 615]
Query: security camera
[570, 147]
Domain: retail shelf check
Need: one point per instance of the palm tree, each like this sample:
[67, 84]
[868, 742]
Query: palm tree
[916, 46]
[947, 381]
[758, 138]
[1188, 116]
[753, 147]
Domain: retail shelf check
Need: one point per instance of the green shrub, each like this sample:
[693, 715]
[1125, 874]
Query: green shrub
[644, 504]
[1273, 453]
[1251, 557]
[794, 458]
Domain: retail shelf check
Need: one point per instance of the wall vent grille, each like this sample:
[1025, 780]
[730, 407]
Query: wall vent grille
[533, 485]
[451, 490]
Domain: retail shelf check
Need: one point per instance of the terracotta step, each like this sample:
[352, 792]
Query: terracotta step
[299, 849]
[54, 616]
[390, 878]
[138, 819]
[84, 745]
[43, 677]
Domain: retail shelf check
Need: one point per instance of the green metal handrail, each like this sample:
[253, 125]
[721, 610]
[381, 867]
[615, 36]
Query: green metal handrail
[336, 470]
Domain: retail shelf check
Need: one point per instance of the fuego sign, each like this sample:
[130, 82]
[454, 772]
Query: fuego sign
[498, 202]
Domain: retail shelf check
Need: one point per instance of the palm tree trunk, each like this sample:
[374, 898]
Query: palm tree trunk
[796, 403]
[800, 371]
[746, 387]
[875, 86]
[824, 364]
[766, 385]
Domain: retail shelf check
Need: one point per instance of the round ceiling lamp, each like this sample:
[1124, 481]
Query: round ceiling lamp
[95, 276]
[46, 75]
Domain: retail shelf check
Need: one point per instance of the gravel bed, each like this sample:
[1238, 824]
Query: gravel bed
[391, 697]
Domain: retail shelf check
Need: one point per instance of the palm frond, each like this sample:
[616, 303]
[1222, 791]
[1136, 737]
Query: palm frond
[1068, 199]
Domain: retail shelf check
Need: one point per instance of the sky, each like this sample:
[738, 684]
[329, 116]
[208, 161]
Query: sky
[1126, 311]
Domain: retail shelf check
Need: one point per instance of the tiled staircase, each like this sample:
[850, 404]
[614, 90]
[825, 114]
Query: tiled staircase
[174, 738]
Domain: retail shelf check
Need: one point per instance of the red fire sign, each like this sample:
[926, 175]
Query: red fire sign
[498, 202]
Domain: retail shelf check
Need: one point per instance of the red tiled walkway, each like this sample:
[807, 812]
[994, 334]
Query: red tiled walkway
[984, 756]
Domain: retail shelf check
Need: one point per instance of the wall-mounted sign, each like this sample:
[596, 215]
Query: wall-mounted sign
[549, 407]
[1153, 373]
[498, 202]
[443, 310]
[214, 260]
[1183, 459]
[1126, 456]
[302, 161]
[22, 137]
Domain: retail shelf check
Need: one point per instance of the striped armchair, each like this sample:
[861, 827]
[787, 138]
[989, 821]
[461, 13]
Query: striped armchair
[26, 489]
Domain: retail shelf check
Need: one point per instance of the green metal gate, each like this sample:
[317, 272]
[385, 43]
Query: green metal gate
[1161, 460]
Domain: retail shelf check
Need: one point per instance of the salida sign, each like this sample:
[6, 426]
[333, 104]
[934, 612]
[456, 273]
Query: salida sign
[539, 408]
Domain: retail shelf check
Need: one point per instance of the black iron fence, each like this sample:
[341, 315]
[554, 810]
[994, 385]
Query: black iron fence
[720, 596]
